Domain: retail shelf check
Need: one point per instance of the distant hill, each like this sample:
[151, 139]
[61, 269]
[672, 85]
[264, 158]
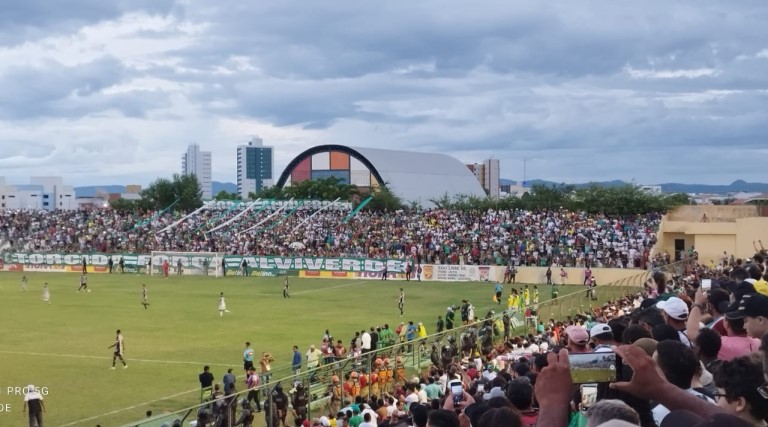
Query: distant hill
[734, 187]
[226, 186]
[90, 191]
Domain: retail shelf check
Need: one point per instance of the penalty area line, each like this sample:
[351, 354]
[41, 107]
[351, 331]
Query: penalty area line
[82, 356]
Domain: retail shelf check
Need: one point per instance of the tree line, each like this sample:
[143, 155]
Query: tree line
[183, 193]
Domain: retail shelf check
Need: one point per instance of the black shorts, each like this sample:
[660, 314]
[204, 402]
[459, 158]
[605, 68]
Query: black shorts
[498, 295]
[247, 365]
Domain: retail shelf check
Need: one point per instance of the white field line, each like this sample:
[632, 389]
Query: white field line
[117, 411]
[82, 356]
[136, 406]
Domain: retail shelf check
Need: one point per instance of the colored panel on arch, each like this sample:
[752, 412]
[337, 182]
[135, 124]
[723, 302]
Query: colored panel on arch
[321, 161]
[360, 178]
[339, 160]
[356, 165]
[301, 171]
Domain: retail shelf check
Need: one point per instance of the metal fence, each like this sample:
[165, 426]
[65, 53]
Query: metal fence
[405, 358]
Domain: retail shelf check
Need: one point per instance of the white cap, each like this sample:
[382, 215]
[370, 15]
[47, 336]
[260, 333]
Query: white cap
[325, 421]
[600, 328]
[674, 307]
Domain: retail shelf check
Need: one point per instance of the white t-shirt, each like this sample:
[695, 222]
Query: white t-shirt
[660, 411]
[366, 341]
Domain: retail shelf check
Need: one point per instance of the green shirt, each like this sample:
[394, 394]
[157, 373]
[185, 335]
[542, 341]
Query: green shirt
[355, 420]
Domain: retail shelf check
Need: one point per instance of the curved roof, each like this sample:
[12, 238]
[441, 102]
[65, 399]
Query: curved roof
[413, 176]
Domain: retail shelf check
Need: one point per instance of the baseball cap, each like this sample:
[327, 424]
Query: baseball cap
[600, 328]
[577, 334]
[325, 421]
[753, 305]
[674, 307]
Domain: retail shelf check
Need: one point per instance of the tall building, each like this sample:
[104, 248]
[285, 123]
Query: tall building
[487, 173]
[255, 163]
[492, 178]
[198, 163]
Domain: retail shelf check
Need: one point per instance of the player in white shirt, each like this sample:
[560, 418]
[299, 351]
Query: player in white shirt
[46, 293]
[24, 283]
[223, 305]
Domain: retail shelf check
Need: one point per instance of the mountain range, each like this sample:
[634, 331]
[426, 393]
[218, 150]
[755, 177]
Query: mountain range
[734, 187]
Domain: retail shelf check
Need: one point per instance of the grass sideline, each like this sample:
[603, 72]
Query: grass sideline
[63, 346]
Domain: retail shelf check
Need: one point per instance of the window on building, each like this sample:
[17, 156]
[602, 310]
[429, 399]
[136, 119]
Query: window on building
[45, 196]
[45, 203]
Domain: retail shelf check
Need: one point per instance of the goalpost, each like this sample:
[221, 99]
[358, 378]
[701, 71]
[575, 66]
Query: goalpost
[187, 263]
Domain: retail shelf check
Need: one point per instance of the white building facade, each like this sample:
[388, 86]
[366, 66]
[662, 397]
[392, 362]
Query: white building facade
[255, 167]
[198, 163]
[42, 193]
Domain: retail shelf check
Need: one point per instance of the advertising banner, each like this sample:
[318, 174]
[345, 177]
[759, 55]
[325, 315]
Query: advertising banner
[194, 263]
[455, 273]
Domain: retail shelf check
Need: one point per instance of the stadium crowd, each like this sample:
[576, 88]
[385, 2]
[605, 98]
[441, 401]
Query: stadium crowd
[690, 353]
[560, 238]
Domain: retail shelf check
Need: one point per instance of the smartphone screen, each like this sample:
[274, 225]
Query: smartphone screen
[457, 392]
[593, 367]
[706, 284]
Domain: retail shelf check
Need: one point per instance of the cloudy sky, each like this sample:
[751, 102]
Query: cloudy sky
[112, 92]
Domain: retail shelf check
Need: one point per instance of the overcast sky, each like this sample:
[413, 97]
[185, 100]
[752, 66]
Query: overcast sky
[112, 92]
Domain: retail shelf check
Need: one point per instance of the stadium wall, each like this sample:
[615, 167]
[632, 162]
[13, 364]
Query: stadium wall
[337, 268]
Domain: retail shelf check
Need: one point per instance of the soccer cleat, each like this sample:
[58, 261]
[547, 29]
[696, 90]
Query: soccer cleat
[113, 368]
[125, 366]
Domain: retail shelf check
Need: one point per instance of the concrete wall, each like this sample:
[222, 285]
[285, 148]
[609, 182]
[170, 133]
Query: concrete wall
[694, 213]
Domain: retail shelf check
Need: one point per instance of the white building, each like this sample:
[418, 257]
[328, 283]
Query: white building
[42, 193]
[651, 189]
[198, 163]
[492, 178]
[487, 173]
[255, 166]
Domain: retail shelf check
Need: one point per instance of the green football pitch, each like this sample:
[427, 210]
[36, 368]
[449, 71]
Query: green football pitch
[62, 346]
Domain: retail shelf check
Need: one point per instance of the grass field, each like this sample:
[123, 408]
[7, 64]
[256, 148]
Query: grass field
[63, 345]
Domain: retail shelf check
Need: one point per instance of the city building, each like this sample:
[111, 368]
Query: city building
[651, 189]
[198, 163]
[487, 173]
[255, 163]
[412, 176]
[42, 193]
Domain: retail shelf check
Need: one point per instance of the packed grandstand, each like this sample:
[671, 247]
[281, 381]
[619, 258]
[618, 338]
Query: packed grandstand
[560, 238]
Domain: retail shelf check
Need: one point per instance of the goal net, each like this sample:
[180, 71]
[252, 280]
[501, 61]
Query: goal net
[186, 263]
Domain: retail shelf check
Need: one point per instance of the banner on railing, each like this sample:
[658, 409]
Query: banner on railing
[135, 262]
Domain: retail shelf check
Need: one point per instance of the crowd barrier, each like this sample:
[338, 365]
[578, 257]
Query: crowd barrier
[414, 355]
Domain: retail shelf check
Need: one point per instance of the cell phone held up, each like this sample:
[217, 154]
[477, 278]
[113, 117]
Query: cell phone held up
[457, 392]
[598, 367]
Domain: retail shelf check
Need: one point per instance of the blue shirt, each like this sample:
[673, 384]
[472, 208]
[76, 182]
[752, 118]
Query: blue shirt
[248, 355]
[411, 332]
[499, 288]
[296, 358]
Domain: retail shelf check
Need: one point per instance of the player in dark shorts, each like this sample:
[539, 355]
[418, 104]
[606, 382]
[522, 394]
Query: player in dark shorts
[401, 301]
[285, 289]
[144, 297]
[119, 347]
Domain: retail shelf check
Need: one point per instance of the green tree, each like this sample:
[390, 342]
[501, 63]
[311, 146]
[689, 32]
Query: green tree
[124, 205]
[163, 192]
[384, 200]
[225, 195]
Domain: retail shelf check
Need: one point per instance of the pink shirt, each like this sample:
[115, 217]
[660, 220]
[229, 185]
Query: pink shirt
[733, 347]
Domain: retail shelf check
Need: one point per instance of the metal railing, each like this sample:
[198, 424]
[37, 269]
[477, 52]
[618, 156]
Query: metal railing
[406, 358]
